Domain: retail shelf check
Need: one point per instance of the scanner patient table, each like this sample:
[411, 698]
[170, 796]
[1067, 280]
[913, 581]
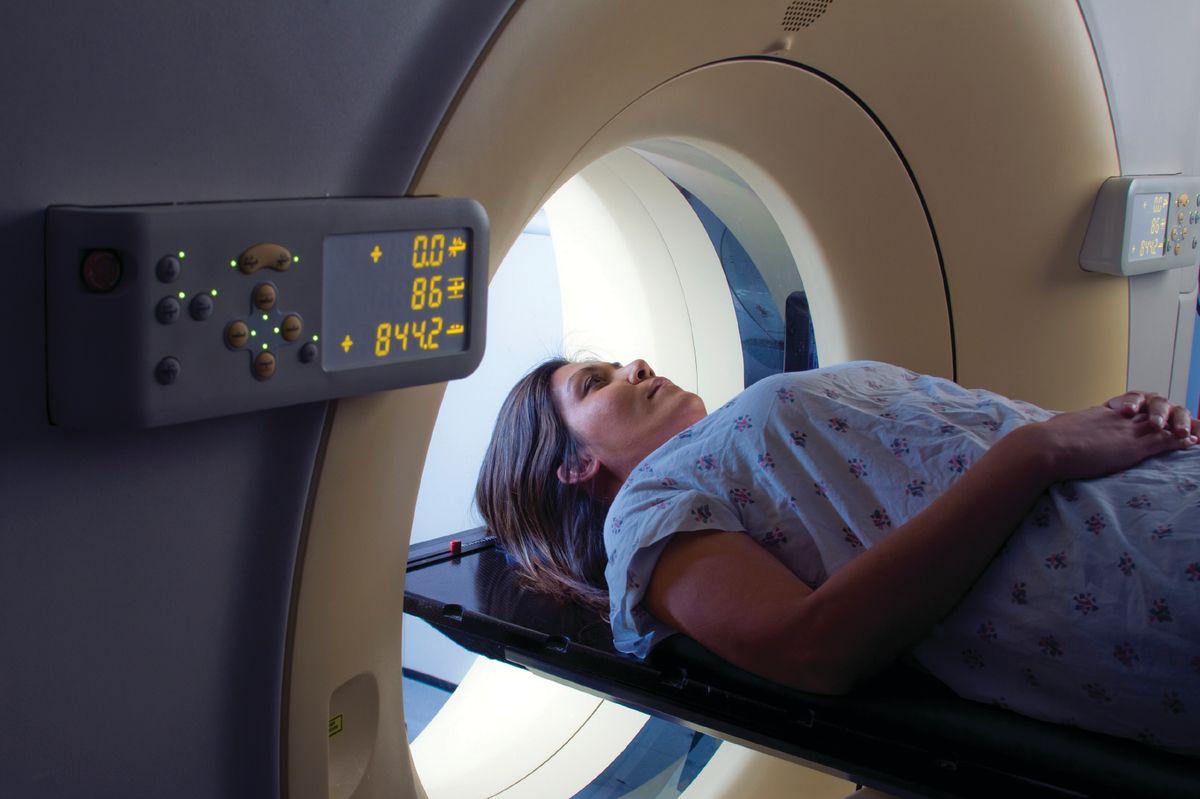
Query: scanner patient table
[903, 732]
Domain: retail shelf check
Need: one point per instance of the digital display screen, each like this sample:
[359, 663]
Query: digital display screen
[394, 296]
[1148, 228]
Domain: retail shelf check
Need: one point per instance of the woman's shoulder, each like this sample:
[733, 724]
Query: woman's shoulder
[849, 376]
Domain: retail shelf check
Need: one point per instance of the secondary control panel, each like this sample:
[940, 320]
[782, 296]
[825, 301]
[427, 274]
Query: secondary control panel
[1143, 224]
[170, 313]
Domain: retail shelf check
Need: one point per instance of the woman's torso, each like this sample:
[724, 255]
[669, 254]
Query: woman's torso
[819, 466]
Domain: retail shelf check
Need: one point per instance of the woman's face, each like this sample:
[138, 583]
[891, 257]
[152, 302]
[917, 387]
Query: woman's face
[621, 413]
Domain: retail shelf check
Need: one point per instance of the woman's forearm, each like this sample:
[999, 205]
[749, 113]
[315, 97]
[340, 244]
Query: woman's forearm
[877, 606]
[741, 602]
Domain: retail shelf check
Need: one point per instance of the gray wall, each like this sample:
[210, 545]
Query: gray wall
[145, 577]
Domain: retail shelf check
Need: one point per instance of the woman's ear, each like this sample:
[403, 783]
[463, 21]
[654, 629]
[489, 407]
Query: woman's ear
[584, 471]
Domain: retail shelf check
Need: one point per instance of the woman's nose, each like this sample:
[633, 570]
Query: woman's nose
[638, 370]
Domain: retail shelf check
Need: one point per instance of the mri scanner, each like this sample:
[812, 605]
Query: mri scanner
[211, 604]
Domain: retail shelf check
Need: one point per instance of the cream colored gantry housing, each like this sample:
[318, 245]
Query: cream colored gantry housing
[931, 167]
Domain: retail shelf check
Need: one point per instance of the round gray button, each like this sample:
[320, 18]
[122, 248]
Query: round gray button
[167, 371]
[201, 307]
[168, 268]
[308, 353]
[167, 311]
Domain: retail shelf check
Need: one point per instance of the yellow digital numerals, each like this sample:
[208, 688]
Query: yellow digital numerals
[424, 333]
[1153, 247]
[426, 293]
[428, 251]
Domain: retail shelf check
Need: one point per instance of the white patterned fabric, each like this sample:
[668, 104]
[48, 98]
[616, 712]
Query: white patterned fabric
[1090, 615]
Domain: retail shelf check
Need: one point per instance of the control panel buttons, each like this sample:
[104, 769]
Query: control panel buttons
[167, 311]
[168, 269]
[208, 309]
[167, 371]
[291, 328]
[101, 270]
[265, 256]
[201, 307]
[264, 365]
[237, 334]
[264, 296]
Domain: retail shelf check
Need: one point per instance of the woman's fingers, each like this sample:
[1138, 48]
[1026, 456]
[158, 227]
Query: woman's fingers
[1128, 404]
[1179, 421]
[1164, 415]
[1158, 408]
[1175, 419]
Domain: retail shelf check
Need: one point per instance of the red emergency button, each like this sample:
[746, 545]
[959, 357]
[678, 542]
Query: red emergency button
[101, 270]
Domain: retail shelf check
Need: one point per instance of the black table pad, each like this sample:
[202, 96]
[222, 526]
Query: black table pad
[903, 732]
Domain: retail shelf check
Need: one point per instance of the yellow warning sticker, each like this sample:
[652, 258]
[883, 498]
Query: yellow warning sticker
[336, 724]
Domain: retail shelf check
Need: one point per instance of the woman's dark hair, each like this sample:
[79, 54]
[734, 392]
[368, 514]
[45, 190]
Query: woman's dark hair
[552, 530]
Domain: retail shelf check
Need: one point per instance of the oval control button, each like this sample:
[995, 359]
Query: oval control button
[264, 365]
[201, 307]
[264, 296]
[236, 334]
[308, 353]
[167, 371]
[167, 310]
[290, 328]
[265, 256]
[168, 268]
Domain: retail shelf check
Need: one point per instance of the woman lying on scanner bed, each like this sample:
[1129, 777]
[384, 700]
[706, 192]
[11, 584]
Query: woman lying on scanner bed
[823, 524]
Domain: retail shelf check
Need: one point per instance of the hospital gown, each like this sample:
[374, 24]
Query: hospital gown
[1089, 615]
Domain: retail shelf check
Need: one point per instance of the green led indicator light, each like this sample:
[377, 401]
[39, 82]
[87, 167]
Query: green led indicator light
[276, 331]
[213, 292]
[182, 295]
[295, 259]
[254, 332]
[233, 264]
[182, 254]
[264, 345]
[316, 337]
[265, 317]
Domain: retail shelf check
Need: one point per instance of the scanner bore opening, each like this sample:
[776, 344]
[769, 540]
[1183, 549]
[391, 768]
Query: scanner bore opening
[658, 250]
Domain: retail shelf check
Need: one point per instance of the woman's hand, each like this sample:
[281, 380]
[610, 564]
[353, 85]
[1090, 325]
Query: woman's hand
[1159, 410]
[1100, 441]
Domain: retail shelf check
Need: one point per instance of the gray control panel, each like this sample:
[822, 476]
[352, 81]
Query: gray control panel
[1143, 224]
[165, 314]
